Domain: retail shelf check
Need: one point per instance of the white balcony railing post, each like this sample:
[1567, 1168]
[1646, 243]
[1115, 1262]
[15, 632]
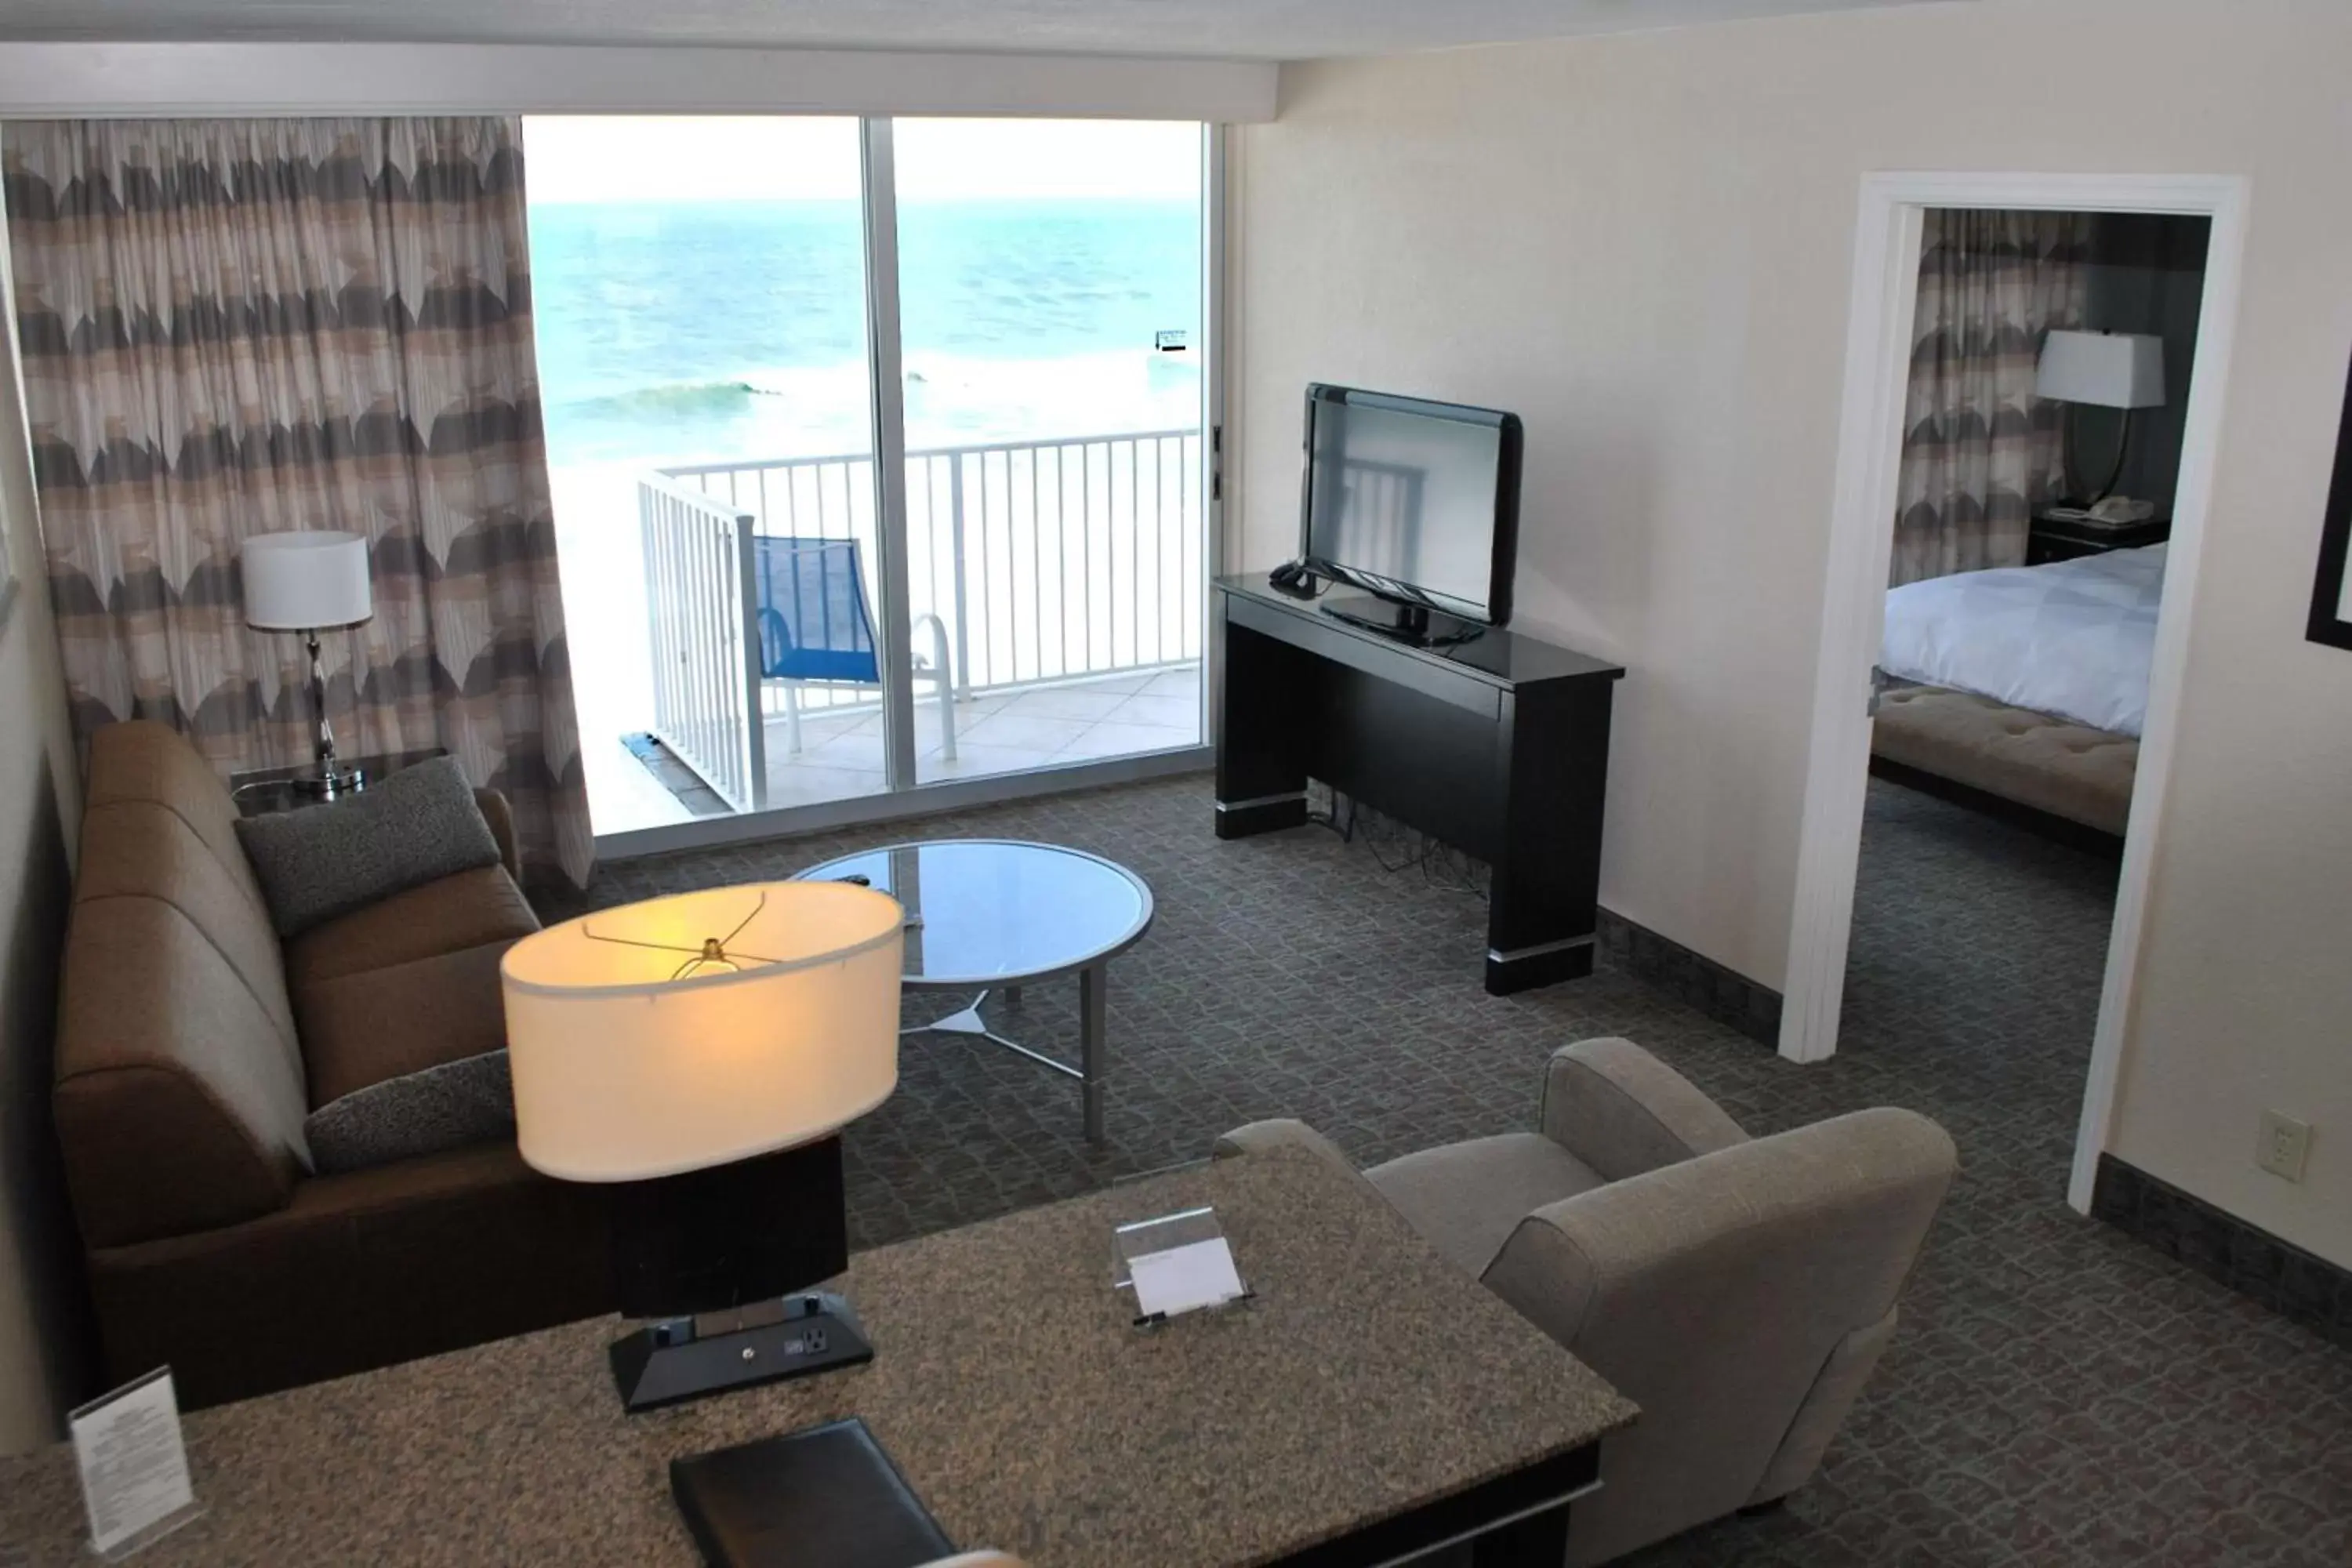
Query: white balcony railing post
[703, 633]
[750, 666]
[955, 547]
[700, 555]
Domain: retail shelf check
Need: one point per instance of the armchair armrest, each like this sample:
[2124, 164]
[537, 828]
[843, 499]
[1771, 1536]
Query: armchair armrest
[1623, 1111]
[501, 816]
[1288, 1132]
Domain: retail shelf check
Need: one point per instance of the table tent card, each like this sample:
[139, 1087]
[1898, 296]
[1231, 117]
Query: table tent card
[1177, 1263]
[135, 1464]
[1198, 1274]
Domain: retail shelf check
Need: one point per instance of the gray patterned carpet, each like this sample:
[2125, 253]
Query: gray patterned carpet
[2058, 1394]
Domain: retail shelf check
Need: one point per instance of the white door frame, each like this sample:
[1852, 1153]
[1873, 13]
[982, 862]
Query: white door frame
[1862, 543]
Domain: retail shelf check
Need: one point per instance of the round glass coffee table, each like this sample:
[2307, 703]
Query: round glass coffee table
[992, 914]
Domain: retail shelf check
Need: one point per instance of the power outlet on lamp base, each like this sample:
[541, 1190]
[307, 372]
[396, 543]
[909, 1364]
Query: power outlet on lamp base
[2283, 1145]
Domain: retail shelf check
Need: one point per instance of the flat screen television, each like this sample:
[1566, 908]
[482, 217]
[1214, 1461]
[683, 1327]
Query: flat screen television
[1413, 501]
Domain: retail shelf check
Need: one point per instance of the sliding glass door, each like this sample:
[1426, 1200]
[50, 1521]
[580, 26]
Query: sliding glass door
[1050, 313]
[701, 288]
[737, 317]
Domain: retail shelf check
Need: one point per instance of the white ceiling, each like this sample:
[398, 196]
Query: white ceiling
[1210, 29]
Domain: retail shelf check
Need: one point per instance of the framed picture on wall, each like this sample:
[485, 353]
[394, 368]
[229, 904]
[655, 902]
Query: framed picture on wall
[2331, 604]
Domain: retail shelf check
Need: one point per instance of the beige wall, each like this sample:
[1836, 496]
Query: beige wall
[40, 1313]
[1643, 245]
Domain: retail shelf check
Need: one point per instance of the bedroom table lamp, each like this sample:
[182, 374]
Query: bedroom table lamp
[307, 581]
[2111, 370]
[700, 1055]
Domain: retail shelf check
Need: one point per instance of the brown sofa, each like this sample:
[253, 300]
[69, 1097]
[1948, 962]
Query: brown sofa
[192, 1043]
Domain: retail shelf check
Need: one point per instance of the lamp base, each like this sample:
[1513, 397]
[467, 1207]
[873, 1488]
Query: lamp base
[330, 784]
[679, 1359]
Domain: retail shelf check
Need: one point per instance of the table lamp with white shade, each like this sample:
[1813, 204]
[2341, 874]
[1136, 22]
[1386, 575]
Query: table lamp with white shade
[310, 582]
[2110, 370]
[700, 1053]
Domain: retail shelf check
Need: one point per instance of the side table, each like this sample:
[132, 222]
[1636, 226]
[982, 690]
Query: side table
[2069, 538]
[261, 791]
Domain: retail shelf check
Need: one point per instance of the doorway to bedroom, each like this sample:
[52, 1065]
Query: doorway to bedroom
[2036, 474]
[2031, 409]
[2037, 469]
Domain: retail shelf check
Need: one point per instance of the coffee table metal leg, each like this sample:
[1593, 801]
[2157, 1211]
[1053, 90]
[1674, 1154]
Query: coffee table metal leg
[1094, 987]
[1094, 995]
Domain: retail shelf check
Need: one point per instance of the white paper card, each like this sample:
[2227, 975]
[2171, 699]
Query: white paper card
[1198, 1274]
[134, 1465]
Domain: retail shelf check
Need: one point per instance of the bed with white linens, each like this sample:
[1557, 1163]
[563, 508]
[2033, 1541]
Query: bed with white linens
[2028, 683]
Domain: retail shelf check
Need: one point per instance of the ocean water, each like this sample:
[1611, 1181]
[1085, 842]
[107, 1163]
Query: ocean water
[702, 332]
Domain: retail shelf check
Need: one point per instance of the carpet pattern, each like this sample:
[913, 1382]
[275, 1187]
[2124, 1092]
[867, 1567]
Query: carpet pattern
[2057, 1394]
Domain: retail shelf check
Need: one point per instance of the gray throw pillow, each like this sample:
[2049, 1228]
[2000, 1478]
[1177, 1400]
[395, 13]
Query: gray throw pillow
[415, 827]
[444, 1107]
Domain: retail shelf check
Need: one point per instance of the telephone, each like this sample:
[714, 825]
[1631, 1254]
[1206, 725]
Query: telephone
[2115, 511]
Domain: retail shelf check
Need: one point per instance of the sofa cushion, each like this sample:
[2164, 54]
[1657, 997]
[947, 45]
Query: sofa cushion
[469, 910]
[418, 826]
[446, 1106]
[407, 983]
[362, 1028]
[1467, 1198]
[141, 849]
[178, 1091]
[179, 1105]
[140, 759]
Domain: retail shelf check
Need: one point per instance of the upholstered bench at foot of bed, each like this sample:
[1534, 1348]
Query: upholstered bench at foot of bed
[2051, 764]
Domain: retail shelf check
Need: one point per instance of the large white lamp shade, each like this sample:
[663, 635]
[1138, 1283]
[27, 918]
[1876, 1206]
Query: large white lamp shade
[2114, 370]
[304, 581]
[633, 1060]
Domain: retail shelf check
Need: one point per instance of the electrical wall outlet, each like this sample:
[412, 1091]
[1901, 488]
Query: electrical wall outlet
[2283, 1144]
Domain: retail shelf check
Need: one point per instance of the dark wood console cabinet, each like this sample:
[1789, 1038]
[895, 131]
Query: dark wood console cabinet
[1498, 746]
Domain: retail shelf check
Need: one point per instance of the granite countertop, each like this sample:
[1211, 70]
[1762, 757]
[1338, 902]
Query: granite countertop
[1008, 1383]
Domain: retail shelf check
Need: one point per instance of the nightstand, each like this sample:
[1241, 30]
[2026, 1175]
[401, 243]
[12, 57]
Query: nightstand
[2065, 538]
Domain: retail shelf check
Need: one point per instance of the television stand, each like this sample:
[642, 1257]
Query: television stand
[1417, 626]
[1498, 746]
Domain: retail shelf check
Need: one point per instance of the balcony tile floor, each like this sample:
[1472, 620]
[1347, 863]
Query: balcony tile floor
[996, 733]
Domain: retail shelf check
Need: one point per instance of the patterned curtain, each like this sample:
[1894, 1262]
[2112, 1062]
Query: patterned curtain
[1980, 452]
[234, 326]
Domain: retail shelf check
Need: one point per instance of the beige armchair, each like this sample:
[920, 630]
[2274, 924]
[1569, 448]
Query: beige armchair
[1740, 1291]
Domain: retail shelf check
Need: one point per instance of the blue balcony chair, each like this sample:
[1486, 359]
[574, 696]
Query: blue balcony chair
[815, 629]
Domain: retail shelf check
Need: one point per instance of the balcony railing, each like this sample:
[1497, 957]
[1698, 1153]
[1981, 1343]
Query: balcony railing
[1042, 561]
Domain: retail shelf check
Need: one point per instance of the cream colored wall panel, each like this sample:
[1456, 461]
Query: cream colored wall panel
[1643, 244]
